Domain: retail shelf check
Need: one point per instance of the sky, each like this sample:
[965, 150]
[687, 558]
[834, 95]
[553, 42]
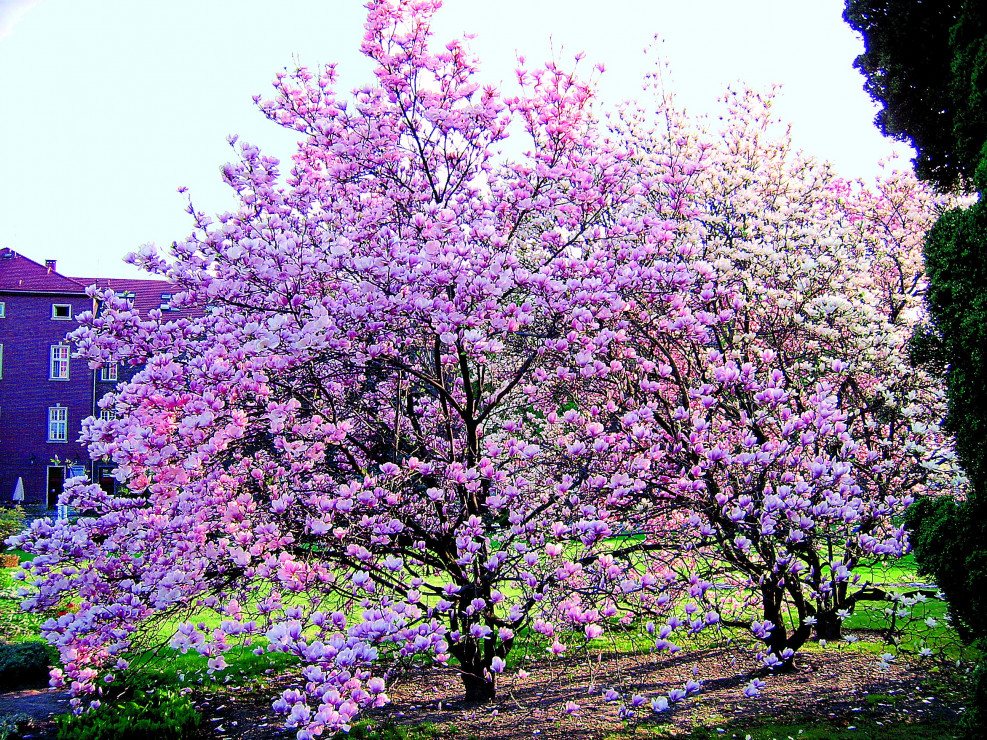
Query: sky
[107, 107]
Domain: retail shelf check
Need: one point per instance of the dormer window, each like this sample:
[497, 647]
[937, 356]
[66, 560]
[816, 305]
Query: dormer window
[165, 302]
[61, 311]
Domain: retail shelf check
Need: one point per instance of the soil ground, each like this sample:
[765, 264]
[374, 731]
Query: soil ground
[840, 686]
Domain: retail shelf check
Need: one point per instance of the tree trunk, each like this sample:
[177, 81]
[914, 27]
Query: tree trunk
[772, 598]
[828, 625]
[479, 686]
[478, 689]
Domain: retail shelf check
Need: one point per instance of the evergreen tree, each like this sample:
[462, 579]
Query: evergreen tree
[926, 62]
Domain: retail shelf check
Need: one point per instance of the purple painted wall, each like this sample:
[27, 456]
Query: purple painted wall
[27, 333]
[28, 329]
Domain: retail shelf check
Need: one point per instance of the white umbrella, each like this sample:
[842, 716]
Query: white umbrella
[19, 490]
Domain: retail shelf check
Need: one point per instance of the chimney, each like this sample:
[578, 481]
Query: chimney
[50, 264]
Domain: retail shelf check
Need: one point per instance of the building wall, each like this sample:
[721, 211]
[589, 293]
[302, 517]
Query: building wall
[28, 330]
[27, 333]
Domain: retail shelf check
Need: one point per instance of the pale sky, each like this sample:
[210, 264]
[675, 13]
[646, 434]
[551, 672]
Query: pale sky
[108, 106]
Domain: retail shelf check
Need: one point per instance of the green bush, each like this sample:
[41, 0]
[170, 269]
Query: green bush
[22, 665]
[974, 721]
[368, 730]
[11, 522]
[162, 715]
[11, 725]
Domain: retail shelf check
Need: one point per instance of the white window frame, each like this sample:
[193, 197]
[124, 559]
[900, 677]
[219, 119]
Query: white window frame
[108, 373]
[54, 311]
[58, 424]
[107, 414]
[58, 366]
[3, 309]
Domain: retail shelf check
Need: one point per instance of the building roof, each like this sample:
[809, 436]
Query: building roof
[146, 294]
[20, 274]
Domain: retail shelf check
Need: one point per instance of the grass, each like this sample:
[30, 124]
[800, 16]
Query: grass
[171, 668]
[16, 625]
[387, 731]
[901, 571]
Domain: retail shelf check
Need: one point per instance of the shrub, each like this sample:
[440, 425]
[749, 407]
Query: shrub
[23, 664]
[365, 730]
[11, 522]
[12, 724]
[974, 721]
[159, 715]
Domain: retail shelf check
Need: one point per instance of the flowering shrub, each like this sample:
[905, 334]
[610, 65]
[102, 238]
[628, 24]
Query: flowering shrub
[439, 398]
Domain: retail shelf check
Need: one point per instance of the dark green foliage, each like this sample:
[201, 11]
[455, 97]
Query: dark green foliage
[12, 725]
[926, 348]
[941, 533]
[924, 63]
[950, 539]
[968, 90]
[368, 730]
[23, 665]
[973, 723]
[956, 264]
[907, 65]
[163, 714]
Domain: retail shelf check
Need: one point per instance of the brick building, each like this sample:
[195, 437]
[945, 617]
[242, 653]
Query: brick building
[44, 392]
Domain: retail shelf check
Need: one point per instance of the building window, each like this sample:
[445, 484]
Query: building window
[58, 424]
[3, 310]
[61, 311]
[108, 373]
[59, 362]
[107, 414]
[165, 302]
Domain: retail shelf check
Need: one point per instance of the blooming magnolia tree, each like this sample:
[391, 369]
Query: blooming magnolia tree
[798, 430]
[351, 454]
[437, 398]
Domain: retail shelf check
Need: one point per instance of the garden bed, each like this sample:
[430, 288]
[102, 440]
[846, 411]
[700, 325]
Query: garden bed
[841, 687]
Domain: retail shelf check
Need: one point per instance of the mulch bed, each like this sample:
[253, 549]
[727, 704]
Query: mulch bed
[837, 685]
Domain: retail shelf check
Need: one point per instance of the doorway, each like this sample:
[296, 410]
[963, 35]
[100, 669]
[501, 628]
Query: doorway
[105, 479]
[56, 481]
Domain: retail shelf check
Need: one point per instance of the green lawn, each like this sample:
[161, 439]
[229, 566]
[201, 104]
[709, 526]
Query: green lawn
[15, 625]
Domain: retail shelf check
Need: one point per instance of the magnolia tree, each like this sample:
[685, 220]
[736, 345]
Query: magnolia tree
[794, 432]
[438, 398]
[352, 455]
